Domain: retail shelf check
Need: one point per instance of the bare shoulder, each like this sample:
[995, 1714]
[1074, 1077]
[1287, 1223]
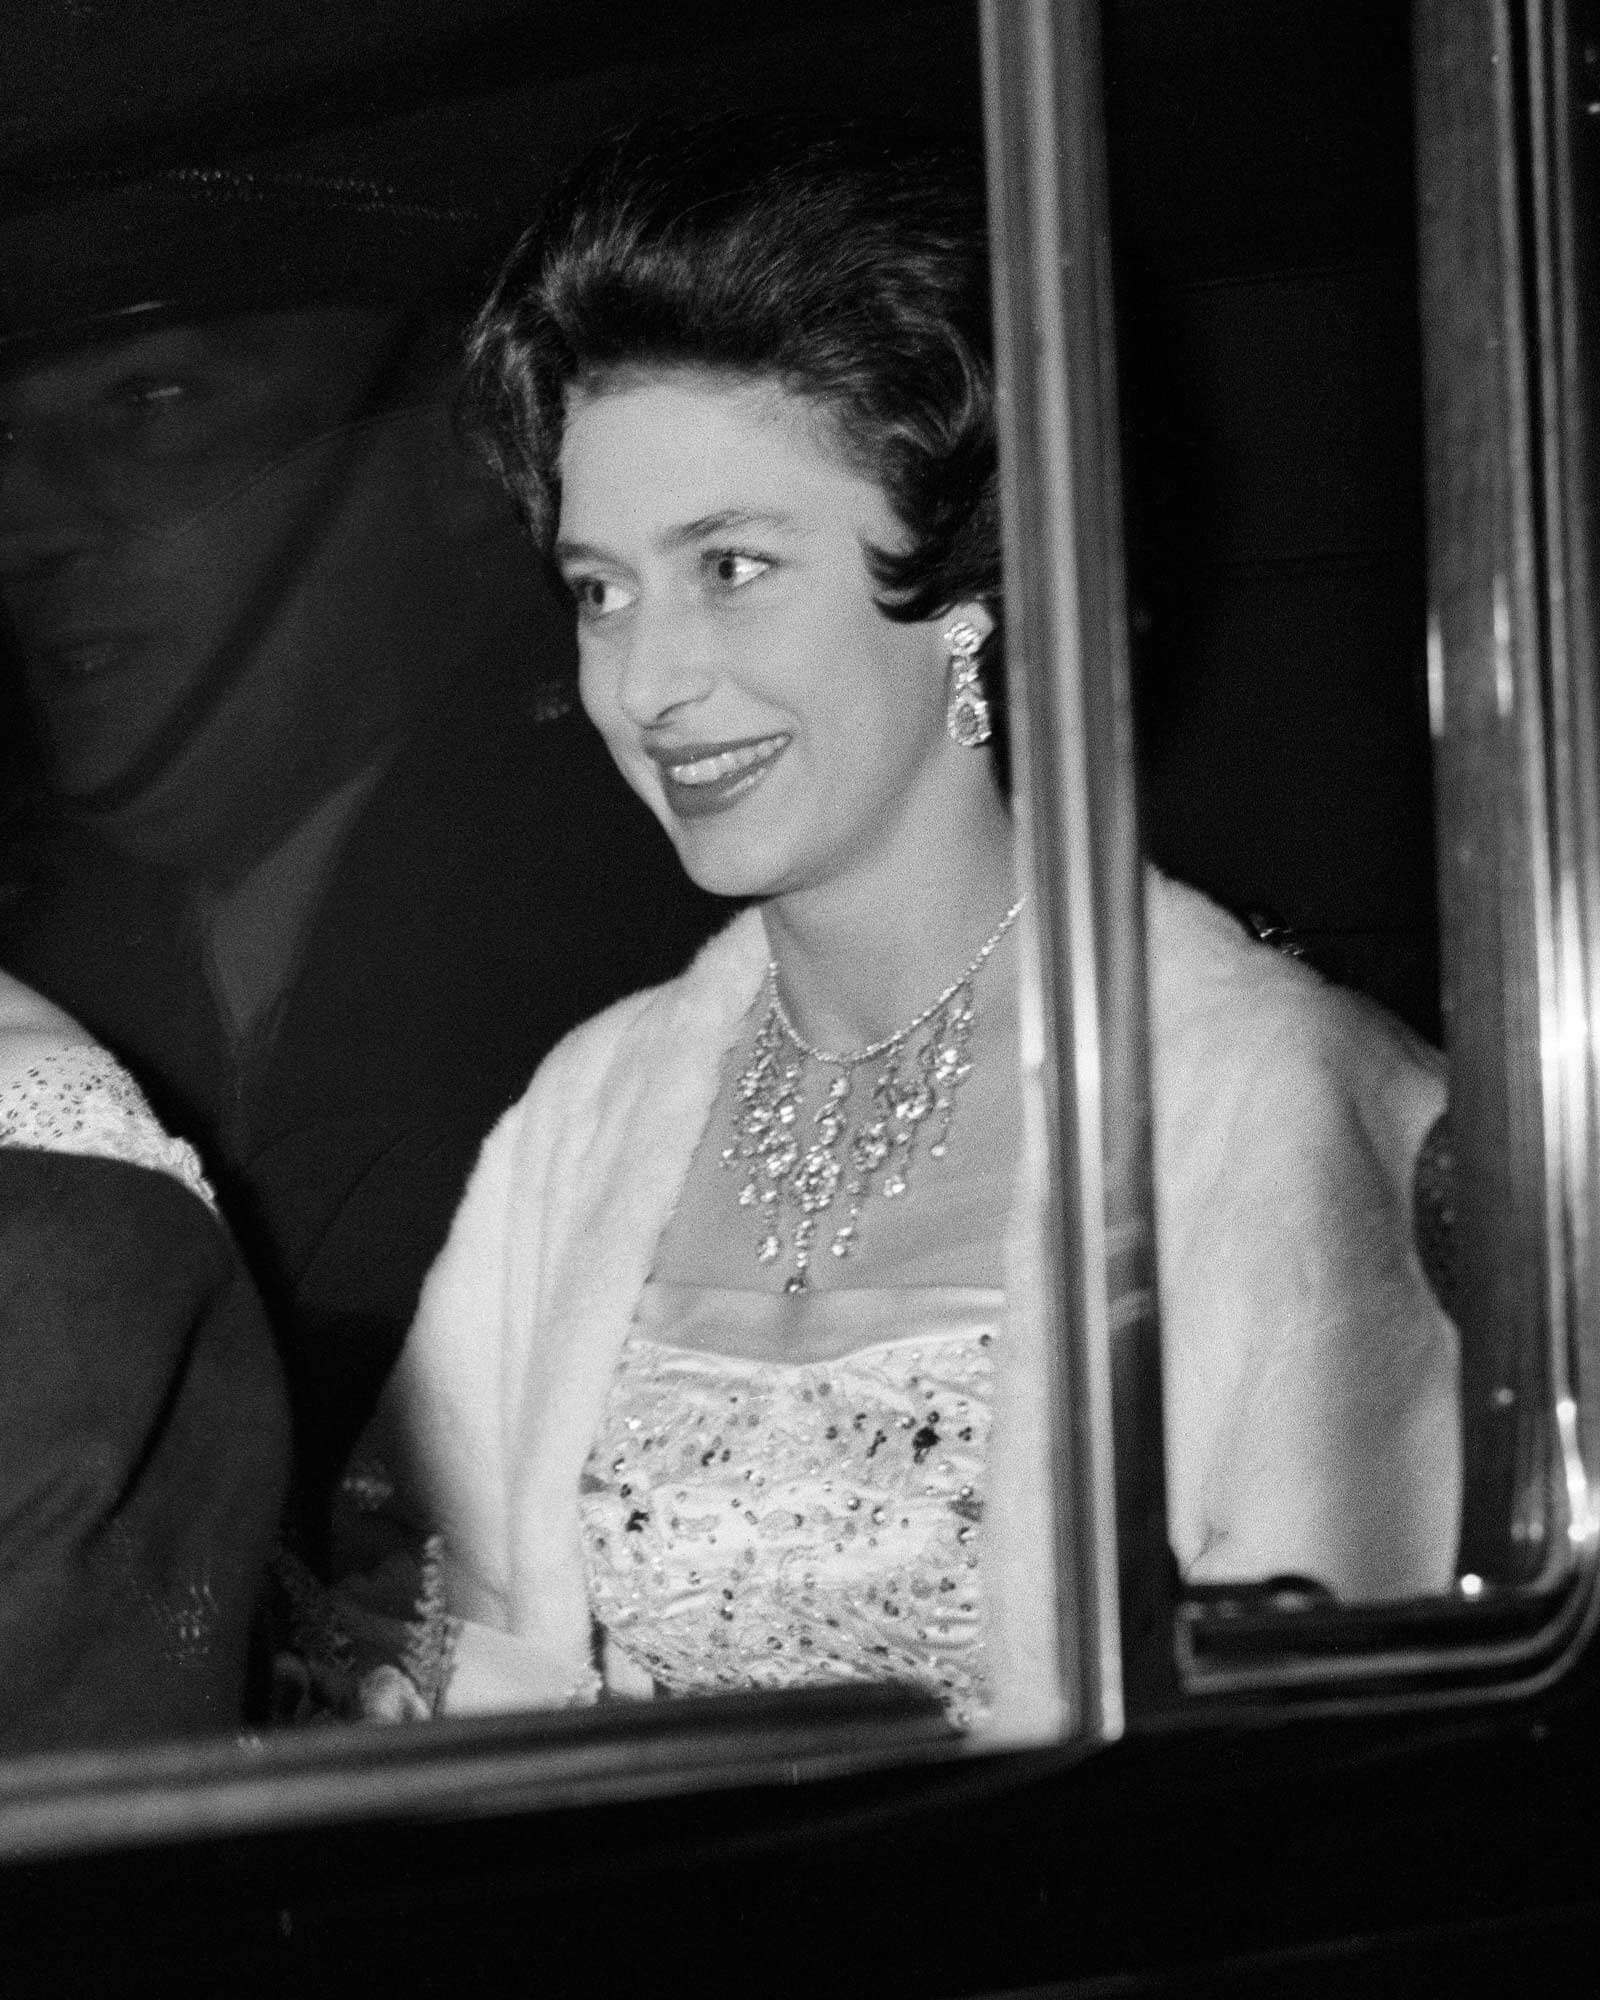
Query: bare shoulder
[32, 1028]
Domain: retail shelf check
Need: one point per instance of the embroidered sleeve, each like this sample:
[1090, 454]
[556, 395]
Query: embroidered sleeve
[81, 1100]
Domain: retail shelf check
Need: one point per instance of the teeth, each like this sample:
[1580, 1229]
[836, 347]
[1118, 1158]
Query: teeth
[707, 770]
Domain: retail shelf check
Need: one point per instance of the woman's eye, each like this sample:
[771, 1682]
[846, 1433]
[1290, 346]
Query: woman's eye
[733, 569]
[597, 596]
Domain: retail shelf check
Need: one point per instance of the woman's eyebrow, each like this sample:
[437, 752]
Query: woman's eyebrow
[575, 552]
[732, 520]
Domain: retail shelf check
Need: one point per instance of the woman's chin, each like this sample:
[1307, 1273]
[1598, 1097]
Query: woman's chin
[740, 884]
[724, 865]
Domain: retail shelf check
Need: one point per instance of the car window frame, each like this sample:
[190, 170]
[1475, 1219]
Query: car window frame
[1132, 1649]
[1510, 638]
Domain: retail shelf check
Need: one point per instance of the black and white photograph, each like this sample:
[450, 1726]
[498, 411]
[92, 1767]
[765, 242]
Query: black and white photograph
[799, 998]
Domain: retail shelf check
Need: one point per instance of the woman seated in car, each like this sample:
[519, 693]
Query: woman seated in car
[725, 1377]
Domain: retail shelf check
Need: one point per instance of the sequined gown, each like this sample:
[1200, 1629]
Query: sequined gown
[751, 1523]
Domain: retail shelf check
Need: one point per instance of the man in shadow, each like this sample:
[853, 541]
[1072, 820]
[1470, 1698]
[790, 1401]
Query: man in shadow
[331, 857]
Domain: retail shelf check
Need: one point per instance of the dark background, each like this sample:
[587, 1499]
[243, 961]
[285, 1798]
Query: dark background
[1263, 210]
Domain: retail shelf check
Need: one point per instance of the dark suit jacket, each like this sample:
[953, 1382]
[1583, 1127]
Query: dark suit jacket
[144, 1449]
[500, 885]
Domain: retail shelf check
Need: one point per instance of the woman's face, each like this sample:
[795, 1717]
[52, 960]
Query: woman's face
[785, 732]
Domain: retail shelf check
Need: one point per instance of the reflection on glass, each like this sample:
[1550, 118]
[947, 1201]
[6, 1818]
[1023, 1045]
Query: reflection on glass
[314, 837]
[276, 626]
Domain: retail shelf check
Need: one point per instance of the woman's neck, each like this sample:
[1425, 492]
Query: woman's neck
[859, 958]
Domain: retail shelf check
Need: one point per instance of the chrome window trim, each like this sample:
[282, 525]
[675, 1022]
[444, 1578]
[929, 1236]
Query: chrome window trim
[1511, 675]
[1488, 711]
[1511, 660]
[1067, 644]
[1136, 1650]
[83, 1802]
[1561, 108]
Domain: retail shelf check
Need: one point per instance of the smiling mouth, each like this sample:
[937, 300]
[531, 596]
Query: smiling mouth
[707, 778]
[708, 770]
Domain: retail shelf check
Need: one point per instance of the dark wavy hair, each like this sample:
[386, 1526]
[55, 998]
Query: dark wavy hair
[847, 262]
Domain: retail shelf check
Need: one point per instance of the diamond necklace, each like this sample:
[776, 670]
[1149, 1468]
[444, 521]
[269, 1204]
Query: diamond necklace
[845, 1153]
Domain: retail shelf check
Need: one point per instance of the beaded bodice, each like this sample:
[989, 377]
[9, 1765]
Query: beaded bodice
[78, 1099]
[774, 1523]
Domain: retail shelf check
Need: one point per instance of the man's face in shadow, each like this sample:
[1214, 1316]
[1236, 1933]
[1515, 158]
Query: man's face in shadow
[231, 562]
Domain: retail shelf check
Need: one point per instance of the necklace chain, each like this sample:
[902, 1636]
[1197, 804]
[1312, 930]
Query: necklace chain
[857, 1056]
[846, 1152]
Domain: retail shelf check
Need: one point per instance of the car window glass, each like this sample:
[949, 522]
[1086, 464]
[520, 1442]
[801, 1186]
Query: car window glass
[306, 827]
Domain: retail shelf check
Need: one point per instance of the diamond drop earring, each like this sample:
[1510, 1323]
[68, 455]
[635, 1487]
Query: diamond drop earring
[967, 715]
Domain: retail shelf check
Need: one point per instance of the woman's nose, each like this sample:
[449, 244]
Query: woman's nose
[668, 666]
